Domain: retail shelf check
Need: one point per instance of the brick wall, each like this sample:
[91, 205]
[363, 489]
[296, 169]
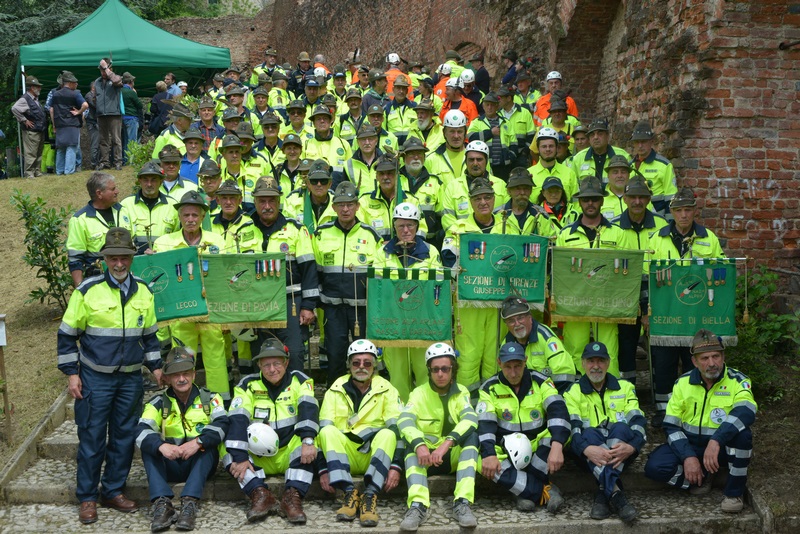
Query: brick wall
[707, 74]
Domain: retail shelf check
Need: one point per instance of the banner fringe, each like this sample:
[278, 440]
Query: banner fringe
[408, 343]
[195, 319]
[609, 320]
[254, 324]
[686, 341]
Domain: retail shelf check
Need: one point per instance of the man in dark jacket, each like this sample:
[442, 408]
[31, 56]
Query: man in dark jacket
[30, 114]
[107, 90]
[66, 112]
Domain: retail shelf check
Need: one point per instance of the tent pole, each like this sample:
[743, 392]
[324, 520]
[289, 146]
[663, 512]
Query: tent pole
[20, 155]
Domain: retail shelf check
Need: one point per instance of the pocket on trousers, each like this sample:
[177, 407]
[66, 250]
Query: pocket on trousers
[83, 409]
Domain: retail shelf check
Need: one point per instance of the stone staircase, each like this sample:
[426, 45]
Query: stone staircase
[38, 489]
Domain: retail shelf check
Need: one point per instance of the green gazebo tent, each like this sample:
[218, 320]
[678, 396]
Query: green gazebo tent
[135, 45]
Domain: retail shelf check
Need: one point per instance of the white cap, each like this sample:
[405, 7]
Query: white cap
[183, 84]
[393, 58]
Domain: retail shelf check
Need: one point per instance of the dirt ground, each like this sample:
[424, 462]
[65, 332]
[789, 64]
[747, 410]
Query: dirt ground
[34, 381]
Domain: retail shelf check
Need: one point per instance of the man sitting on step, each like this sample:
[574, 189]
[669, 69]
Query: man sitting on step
[708, 422]
[607, 429]
[358, 435]
[179, 435]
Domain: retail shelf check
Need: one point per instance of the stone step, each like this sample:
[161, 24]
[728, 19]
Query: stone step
[659, 512]
[52, 478]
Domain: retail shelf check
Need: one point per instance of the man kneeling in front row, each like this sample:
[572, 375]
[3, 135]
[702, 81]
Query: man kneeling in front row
[179, 434]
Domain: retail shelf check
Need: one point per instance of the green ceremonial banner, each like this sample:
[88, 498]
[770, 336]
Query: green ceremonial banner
[686, 297]
[408, 312]
[175, 277]
[246, 290]
[597, 285]
[494, 266]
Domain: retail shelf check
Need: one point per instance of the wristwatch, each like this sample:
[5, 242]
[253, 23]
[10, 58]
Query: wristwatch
[200, 442]
[308, 441]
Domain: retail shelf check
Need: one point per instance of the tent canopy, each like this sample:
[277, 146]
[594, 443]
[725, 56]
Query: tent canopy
[135, 45]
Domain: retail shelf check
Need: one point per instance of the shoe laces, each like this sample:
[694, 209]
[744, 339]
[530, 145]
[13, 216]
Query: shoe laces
[161, 505]
[461, 507]
[545, 495]
[188, 506]
[351, 499]
[369, 503]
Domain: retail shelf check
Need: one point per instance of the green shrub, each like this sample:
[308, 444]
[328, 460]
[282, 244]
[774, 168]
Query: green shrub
[45, 236]
[767, 338]
[140, 153]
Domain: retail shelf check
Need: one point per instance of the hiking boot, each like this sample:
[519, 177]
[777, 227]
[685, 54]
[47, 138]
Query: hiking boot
[262, 502]
[600, 509]
[188, 514]
[415, 515]
[525, 505]
[292, 506]
[624, 509]
[555, 499]
[731, 505]
[349, 509]
[368, 510]
[164, 514]
[705, 486]
[463, 514]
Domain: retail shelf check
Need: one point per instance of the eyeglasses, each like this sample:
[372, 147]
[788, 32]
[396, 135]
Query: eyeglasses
[272, 365]
[595, 200]
[319, 181]
[516, 318]
[445, 369]
[296, 112]
[366, 364]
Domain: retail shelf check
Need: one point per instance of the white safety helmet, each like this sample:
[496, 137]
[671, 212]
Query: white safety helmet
[546, 133]
[262, 440]
[478, 146]
[454, 119]
[454, 82]
[406, 210]
[467, 76]
[319, 71]
[438, 350]
[361, 346]
[446, 69]
[553, 75]
[393, 58]
[243, 334]
[519, 449]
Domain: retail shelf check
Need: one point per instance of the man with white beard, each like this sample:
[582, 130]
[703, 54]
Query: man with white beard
[428, 130]
[416, 179]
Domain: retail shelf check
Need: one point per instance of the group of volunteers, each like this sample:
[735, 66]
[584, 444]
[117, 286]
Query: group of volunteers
[353, 167]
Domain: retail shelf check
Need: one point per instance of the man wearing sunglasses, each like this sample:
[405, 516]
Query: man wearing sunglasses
[310, 203]
[358, 434]
[439, 425]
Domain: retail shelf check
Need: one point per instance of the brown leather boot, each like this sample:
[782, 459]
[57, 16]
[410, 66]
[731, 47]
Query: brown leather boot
[292, 506]
[262, 503]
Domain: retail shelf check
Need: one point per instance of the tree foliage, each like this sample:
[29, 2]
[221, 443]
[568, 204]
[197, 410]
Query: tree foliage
[45, 234]
[25, 22]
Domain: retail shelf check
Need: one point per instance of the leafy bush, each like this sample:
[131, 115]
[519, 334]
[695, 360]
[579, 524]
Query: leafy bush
[767, 339]
[45, 236]
[140, 153]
